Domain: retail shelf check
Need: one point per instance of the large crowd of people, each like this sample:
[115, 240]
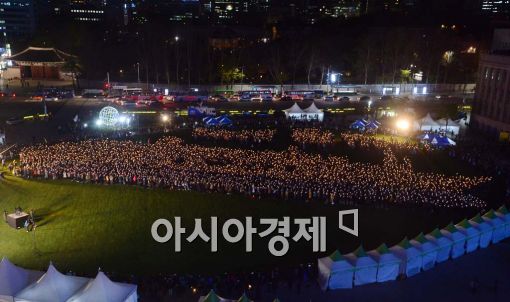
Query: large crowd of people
[324, 138]
[371, 141]
[243, 136]
[312, 136]
[289, 175]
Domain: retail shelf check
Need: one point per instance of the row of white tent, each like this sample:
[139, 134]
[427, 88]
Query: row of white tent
[21, 285]
[410, 257]
[427, 123]
[213, 297]
[312, 113]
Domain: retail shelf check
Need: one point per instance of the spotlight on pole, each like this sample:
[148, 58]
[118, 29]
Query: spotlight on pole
[403, 125]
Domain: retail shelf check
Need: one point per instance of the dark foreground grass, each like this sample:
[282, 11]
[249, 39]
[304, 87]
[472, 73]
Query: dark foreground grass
[84, 226]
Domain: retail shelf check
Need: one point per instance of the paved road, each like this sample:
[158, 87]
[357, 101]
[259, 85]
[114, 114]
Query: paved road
[87, 109]
[449, 282]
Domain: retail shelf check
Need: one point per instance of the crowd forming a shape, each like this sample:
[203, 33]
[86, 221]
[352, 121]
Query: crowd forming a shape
[289, 174]
[256, 136]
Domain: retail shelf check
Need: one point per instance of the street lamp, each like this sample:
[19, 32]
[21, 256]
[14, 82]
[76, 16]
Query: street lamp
[165, 118]
[138, 71]
[176, 39]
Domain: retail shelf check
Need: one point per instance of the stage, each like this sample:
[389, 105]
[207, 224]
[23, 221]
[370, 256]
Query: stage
[17, 221]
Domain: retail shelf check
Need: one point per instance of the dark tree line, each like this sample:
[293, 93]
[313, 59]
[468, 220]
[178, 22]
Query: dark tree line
[362, 52]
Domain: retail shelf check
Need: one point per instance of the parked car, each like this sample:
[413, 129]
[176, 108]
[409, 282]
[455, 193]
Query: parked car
[127, 102]
[218, 98]
[14, 120]
[267, 97]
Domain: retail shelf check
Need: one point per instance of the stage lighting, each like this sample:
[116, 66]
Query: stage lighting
[403, 124]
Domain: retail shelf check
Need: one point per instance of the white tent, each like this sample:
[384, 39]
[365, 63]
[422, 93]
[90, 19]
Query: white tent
[335, 272]
[449, 126]
[365, 268]
[387, 263]
[213, 297]
[505, 215]
[428, 124]
[314, 113]
[444, 245]
[13, 279]
[410, 256]
[458, 240]
[428, 251]
[498, 225]
[309, 114]
[51, 287]
[484, 228]
[102, 289]
[472, 235]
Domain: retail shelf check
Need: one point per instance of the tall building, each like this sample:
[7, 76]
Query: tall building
[17, 19]
[495, 6]
[491, 111]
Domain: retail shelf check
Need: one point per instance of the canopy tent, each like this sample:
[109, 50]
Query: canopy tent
[213, 297]
[358, 125]
[309, 114]
[472, 235]
[365, 268]
[410, 256]
[449, 126]
[244, 298]
[505, 215]
[102, 289]
[444, 245]
[312, 109]
[373, 125]
[51, 287]
[428, 251]
[212, 122]
[295, 109]
[498, 225]
[387, 263]
[335, 272]
[224, 121]
[427, 123]
[484, 228]
[441, 141]
[458, 240]
[436, 139]
[425, 137]
[206, 119]
[13, 279]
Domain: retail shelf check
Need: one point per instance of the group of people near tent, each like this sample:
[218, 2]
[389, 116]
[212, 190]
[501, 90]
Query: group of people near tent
[311, 113]
[410, 257]
[21, 285]
[436, 139]
[221, 120]
[427, 123]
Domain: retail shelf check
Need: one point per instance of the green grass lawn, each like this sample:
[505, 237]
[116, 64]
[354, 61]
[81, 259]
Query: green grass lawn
[85, 226]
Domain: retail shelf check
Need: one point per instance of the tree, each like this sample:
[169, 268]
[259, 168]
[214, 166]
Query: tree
[446, 61]
[405, 76]
[231, 75]
[73, 67]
